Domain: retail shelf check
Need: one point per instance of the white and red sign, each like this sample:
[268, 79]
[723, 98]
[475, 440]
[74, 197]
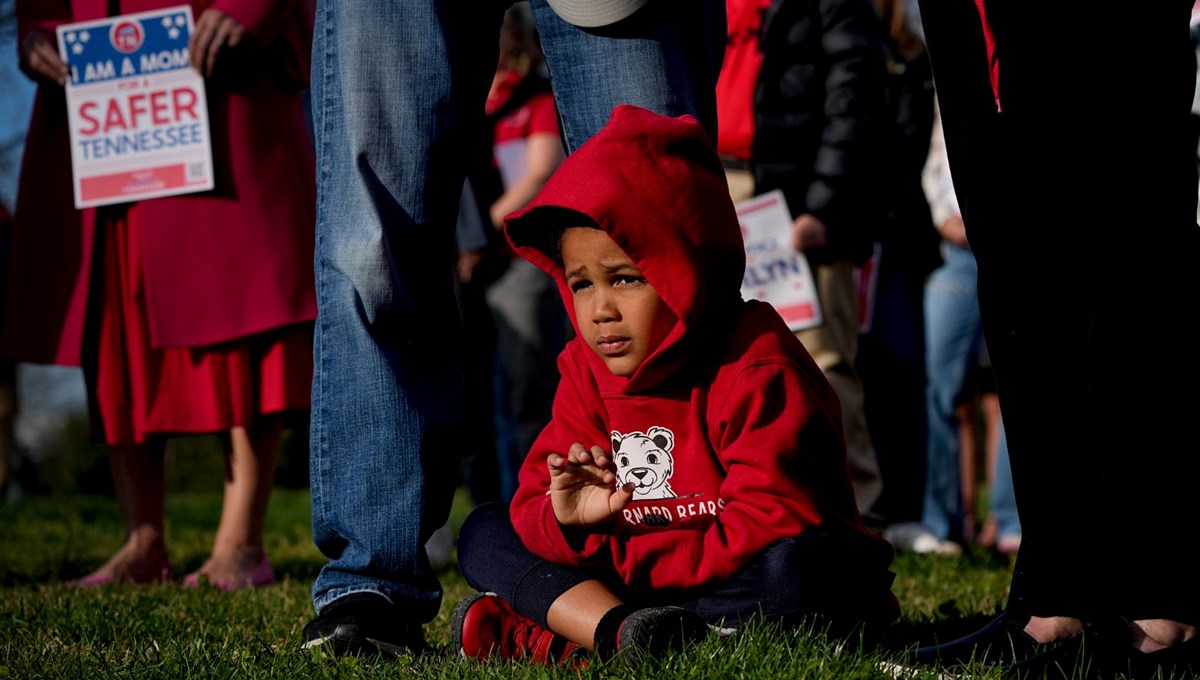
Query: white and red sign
[775, 272]
[136, 108]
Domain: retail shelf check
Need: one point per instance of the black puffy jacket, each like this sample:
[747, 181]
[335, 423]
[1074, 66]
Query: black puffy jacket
[820, 105]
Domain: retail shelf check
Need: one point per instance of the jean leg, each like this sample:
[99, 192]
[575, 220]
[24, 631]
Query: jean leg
[666, 58]
[1003, 500]
[396, 85]
[953, 334]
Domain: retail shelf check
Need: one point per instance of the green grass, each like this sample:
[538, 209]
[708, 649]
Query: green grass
[165, 631]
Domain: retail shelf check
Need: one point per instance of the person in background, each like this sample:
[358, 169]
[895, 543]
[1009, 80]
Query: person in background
[819, 118]
[1086, 263]
[513, 322]
[479, 261]
[190, 314]
[14, 124]
[953, 345]
[803, 103]
[528, 314]
[398, 89]
[694, 472]
[736, 88]
[891, 348]
[978, 406]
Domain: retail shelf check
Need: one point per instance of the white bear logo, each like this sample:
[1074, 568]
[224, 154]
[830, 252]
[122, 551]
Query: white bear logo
[645, 460]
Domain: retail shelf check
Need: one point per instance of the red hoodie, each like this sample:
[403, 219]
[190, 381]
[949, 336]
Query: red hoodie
[735, 430]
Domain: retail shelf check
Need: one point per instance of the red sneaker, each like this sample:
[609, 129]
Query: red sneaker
[484, 625]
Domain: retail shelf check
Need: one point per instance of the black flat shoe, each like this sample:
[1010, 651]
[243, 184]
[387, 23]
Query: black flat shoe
[1075, 658]
[1002, 642]
[1104, 651]
[1177, 661]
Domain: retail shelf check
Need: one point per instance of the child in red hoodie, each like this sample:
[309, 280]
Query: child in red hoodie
[694, 472]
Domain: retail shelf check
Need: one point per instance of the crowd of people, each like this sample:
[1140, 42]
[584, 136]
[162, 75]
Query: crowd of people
[502, 251]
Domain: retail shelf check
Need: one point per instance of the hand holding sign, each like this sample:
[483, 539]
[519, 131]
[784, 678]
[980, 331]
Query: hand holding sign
[214, 30]
[40, 60]
[775, 271]
[136, 108]
[808, 233]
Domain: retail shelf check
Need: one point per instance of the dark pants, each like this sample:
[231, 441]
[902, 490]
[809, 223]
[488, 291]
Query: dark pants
[843, 579]
[891, 363]
[1079, 197]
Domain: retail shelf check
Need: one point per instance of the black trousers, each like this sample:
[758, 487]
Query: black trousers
[1078, 190]
[842, 579]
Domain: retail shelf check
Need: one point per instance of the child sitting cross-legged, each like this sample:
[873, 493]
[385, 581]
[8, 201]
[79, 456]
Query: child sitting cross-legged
[694, 472]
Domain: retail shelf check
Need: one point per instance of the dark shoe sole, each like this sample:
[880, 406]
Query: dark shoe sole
[347, 641]
[456, 621]
[364, 624]
[1001, 641]
[639, 645]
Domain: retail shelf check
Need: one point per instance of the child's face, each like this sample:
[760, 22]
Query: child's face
[620, 315]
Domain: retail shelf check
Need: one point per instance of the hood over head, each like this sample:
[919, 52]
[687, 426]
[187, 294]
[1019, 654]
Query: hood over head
[656, 186]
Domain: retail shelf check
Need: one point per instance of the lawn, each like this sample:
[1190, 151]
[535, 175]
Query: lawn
[165, 631]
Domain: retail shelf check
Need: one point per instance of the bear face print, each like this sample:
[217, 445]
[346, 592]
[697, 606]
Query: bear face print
[644, 459]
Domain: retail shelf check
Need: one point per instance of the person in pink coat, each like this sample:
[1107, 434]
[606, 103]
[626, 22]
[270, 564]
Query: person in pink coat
[189, 314]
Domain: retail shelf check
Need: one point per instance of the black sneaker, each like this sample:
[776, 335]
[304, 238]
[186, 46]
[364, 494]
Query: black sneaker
[363, 624]
[649, 633]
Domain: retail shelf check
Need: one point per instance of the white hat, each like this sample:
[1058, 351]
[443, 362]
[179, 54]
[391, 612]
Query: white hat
[595, 13]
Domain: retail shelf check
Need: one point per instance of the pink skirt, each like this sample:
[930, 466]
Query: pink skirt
[138, 391]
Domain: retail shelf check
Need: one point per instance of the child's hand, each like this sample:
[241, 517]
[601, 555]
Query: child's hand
[583, 488]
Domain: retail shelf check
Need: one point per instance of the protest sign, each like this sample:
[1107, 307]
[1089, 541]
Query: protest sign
[775, 271]
[136, 109]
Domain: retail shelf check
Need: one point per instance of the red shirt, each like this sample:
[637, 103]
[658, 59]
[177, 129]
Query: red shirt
[739, 77]
[535, 116]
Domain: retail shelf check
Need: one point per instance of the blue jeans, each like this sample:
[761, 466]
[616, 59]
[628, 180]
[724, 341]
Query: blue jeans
[398, 88]
[1002, 500]
[953, 334]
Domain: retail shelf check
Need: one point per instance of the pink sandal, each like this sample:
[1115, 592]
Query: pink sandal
[165, 575]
